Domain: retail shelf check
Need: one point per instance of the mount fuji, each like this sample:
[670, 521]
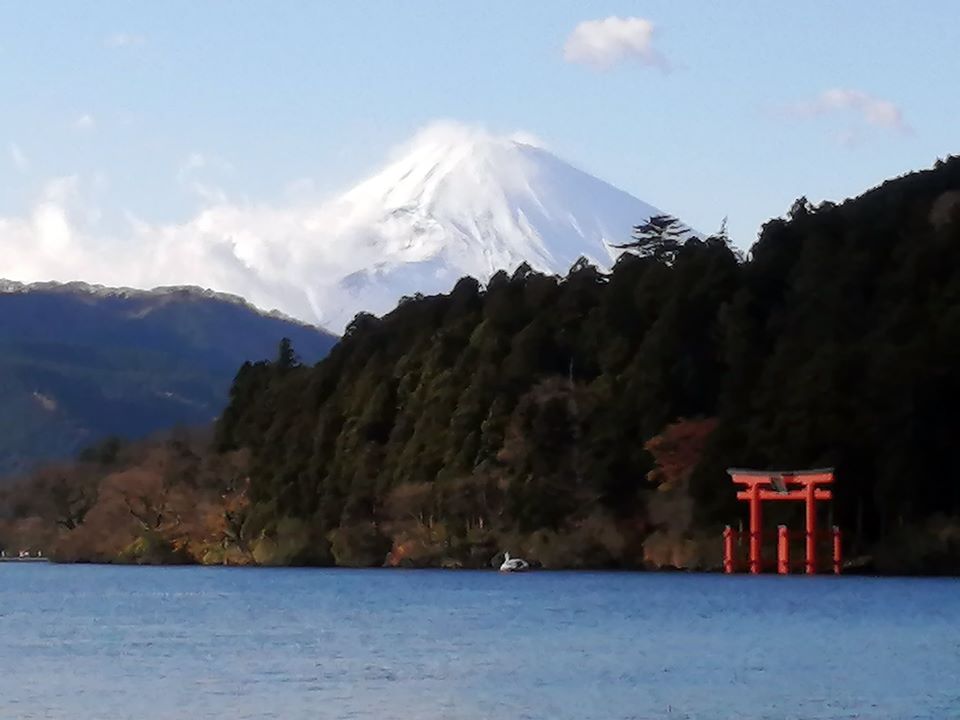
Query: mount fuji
[462, 202]
[454, 201]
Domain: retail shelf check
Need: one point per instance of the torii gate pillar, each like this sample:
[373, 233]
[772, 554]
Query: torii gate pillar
[795, 485]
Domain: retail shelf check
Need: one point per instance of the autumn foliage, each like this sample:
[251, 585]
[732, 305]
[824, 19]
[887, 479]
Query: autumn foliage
[160, 502]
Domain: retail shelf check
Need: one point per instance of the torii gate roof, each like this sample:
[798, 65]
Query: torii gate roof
[779, 473]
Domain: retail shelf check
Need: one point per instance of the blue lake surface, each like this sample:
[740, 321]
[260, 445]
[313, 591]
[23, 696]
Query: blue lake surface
[97, 642]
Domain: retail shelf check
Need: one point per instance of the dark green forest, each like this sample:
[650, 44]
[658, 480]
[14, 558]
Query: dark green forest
[588, 421]
[524, 411]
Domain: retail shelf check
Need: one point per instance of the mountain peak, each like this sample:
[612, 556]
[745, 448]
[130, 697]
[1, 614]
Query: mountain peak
[460, 201]
[449, 136]
[438, 155]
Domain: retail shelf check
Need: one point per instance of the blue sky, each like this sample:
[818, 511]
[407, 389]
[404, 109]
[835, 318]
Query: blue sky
[156, 109]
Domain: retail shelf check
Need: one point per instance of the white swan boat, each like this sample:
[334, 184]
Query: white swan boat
[513, 564]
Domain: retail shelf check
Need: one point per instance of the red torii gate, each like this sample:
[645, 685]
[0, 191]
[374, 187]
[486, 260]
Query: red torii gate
[797, 485]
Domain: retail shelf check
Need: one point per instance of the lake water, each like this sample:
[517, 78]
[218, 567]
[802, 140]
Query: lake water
[89, 642]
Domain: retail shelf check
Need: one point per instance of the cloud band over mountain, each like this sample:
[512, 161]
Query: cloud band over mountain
[454, 201]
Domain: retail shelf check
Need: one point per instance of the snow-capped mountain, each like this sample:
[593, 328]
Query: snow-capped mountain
[454, 201]
[462, 202]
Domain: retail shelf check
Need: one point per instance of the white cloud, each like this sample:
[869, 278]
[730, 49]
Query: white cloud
[19, 158]
[61, 190]
[84, 122]
[528, 138]
[45, 243]
[604, 43]
[124, 39]
[869, 109]
[209, 194]
[187, 176]
[234, 248]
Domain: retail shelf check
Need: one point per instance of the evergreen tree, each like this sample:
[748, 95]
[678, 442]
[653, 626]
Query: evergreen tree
[659, 237]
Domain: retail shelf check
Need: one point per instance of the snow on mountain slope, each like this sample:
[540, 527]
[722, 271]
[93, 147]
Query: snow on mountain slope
[461, 202]
[455, 201]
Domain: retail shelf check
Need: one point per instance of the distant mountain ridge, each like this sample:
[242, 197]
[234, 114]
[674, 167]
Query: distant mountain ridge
[78, 286]
[79, 362]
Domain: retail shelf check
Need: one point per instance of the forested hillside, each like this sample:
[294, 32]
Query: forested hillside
[588, 420]
[526, 405]
[80, 363]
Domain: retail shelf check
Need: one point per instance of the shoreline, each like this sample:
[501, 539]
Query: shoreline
[584, 571]
[26, 560]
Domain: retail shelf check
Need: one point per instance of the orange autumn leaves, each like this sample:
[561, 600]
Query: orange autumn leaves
[164, 504]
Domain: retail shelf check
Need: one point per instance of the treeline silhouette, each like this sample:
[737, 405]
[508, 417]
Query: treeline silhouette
[588, 420]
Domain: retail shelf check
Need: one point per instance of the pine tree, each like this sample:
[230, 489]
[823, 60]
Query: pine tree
[660, 237]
